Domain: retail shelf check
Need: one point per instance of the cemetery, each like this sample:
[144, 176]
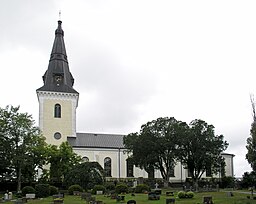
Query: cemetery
[156, 195]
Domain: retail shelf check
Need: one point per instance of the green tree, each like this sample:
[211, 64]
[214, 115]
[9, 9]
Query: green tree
[251, 141]
[248, 180]
[22, 146]
[86, 174]
[156, 145]
[61, 160]
[201, 149]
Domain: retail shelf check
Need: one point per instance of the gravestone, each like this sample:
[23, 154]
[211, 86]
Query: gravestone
[169, 193]
[156, 185]
[30, 196]
[131, 202]
[207, 200]
[170, 201]
[99, 192]
[140, 180]
[153, 196]
[157, 190]
[83, 196]
[230, 194]
[76, 193]
[135, 183]
[10, 195]
[6, 196]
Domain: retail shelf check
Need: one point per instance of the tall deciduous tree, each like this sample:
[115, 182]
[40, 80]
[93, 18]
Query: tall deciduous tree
[61, 160]
[22, 146]
[201, 150]
[251, 141]
[156, 145]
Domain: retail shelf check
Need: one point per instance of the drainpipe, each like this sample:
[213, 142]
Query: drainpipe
[180, 172]
[119, 164]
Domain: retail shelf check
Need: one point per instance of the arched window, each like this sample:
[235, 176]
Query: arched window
[57, 111]
[189, 173]
[85, 159]
[129, 168]
[107, 166]
[208, 172]
[172, 173]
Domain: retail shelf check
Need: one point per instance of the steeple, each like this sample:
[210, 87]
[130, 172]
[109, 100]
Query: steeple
[57, 77]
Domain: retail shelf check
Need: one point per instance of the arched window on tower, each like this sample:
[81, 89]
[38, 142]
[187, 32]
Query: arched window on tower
[57, 111]
[107, 167]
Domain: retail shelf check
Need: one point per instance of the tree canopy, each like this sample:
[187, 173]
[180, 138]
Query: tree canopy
[61, 160]
[86, 174]
[22, 147]
[156, 145]
[164, 141]
[251, 141]
[200, 149]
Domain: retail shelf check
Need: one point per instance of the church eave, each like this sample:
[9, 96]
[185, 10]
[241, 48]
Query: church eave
[98, 147]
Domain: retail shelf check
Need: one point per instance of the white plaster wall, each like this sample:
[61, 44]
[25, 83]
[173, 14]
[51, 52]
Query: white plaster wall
[229, 168]
[99, 155]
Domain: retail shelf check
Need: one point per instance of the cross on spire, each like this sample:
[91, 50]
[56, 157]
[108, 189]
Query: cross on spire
[59, 15]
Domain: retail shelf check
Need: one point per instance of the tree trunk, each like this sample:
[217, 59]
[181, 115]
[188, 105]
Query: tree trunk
[166, 184]
[19, 179]
[196, 184]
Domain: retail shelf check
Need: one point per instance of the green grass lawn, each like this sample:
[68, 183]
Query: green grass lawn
[218, 198]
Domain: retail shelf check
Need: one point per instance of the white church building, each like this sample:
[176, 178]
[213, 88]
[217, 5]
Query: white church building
[58, 101]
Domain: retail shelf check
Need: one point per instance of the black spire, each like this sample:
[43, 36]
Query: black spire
[57, 77]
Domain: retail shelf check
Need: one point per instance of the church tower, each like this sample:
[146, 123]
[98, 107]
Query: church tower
[57, 98]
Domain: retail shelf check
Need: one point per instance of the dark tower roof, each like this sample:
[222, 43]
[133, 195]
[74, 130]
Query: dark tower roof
[57, 77]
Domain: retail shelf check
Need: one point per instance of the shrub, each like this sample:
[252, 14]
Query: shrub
[141, 188]
[98, 188]
[42, 190]
[109, 186]
[190, 194]
[131, 189]
[53, 190]
[181, 194]
[27, 189]
[73, 188]
[121, 188]
[19, 195]
[227, 182]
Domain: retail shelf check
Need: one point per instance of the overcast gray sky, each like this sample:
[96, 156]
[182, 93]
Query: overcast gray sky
[134, 61]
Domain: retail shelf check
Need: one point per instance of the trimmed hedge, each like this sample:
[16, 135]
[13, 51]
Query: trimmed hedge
[27, 189]
[53, 190]
[73, 188]
[190, 194]
[42, 190]
[110, 186]
[141, 188]
[183, 194]
[98, 188]
[121, 188]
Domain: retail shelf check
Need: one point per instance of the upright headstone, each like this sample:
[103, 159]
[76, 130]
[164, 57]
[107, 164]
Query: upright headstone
[156, 185]
[135, 183]
[6, 196]
[10, 195]
[140, 180]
